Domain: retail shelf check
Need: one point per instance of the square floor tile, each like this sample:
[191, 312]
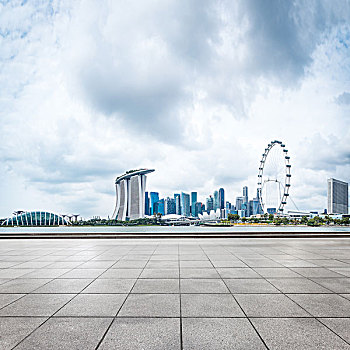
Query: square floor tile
[143, 334]
[151, 305]
[219, 334]
[83, 273]
[101, 305]
[14, 273]
[6, 299]
[323, 305]
[269, 305]
[160, 273]
[36, 305]
[282, 272]
[162, 264]
[198, 285]
[337, 285]
[130, 264]
[121, 273]
[195, 263]
[230, 263]
[106, 285]
[250, 285]
[316, 272]
[46, 273]
[61, 286]
[15, 329]
[340, 326]
[237, 273]
[63, 333]
[198, 273]
[22, 285]
[150, 286]
[297, 333]
[297, 285]
[209, 305]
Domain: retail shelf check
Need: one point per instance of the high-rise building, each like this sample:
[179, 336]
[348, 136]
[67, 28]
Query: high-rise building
[222, 198]
[245, 194]
[198, 208]
[210, 204]
[239, 202]
[130, 195]
[216, 200]
[177, 204]
[185, 204]
[193, 204]
[147, 208]
[337, 197]
[154, 199]
[170, 207]
[160, 207]
[257, 209]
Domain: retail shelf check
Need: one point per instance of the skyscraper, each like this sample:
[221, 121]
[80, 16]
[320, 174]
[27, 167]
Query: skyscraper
[147, 208]
[239, 202]
[170, 207]
[154, 199]
[245, 194]
[160, 206]
[210, 204]
[221, 198]
[130, 195]
[216, 200]
[337, 197]
[193, 204]
[198, 208]
[177, 204]
[185, 204]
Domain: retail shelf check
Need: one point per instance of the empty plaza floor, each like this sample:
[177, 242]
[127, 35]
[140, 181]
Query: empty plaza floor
[175, 294]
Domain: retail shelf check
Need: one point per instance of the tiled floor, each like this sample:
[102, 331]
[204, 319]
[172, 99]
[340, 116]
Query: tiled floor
[175, 294]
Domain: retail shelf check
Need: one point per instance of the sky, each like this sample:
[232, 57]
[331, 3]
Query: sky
[194, 89]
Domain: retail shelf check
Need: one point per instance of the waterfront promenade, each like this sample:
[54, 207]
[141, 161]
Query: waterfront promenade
[175, 293]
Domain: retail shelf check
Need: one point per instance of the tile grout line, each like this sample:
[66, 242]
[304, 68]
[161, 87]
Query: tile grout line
[128, 294]
[256, 331]
[58, 309]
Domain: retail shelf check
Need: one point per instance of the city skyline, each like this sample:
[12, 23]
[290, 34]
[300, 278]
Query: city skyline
[197, 96]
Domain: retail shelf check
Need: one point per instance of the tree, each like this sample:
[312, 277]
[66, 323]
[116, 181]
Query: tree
[304, 220]
[233, 217]
[271, 217]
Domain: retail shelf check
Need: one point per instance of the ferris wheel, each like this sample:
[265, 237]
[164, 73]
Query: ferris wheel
[274, 178]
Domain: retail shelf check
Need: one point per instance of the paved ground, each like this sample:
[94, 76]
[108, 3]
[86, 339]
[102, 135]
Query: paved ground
[175, 294]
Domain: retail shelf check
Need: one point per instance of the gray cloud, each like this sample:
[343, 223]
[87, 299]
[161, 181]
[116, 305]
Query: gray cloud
[343, 99]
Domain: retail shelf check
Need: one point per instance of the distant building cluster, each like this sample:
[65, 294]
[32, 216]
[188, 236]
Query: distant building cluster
[187, 205]
[134, 202]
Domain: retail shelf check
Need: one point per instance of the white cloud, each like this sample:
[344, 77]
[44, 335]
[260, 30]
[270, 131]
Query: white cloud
[193, 89]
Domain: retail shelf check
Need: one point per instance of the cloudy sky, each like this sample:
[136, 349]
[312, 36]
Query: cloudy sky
[193, 89]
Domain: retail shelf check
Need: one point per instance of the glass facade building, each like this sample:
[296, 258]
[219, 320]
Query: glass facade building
[177, 204]
[337, 197]
[222, 198]
[36, 218]
[194, 213]
[147, 208]
[185, 204]
[216, 200]
[154, 200]
[170, 207]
